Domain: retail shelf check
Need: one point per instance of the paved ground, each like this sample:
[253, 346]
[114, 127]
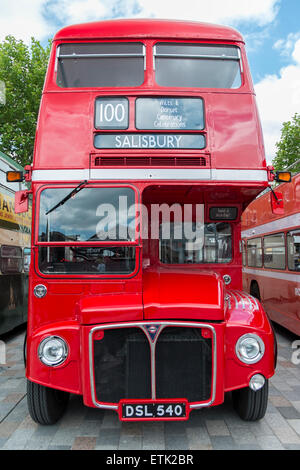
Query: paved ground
[214, 428]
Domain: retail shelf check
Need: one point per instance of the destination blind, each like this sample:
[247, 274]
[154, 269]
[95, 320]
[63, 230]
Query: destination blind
[151, 114]
[149, 141]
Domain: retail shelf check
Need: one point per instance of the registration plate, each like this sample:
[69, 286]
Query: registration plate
[153, 410]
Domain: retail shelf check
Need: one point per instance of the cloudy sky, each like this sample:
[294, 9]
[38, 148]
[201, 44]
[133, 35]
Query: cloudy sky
[271, 29]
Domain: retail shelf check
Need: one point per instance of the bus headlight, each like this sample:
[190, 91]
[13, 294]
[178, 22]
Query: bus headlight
[250, 348]
[53, 351]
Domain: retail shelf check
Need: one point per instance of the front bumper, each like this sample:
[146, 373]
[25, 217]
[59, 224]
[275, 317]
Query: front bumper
[116, 363]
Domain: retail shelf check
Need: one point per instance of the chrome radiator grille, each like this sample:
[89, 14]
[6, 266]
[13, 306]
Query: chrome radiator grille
[151, 361]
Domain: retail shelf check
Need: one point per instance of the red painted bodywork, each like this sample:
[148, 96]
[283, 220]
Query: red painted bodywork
[161, 301]
[156, 292]
[279, 289]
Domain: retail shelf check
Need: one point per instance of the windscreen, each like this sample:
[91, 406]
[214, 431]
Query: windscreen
[92, 214]
[86, 215]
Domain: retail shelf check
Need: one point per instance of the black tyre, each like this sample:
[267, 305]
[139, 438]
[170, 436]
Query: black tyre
[46, 405]
[254, 290]
[250, 405]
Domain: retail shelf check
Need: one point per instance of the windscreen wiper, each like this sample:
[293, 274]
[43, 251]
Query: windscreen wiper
[71, 194]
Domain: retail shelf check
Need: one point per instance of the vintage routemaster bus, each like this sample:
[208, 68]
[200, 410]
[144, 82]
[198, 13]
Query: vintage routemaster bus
[148, 149]
[271, 258]
[14, 252]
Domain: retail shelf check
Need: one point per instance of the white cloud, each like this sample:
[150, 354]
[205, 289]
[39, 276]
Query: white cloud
[216, 11]
[80, 11]
[23, 19]
[286, 46]
[278, 98]
[26, 18]
[260, 12]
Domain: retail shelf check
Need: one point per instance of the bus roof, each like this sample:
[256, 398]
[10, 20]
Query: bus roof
[10, 161]
[145, 28]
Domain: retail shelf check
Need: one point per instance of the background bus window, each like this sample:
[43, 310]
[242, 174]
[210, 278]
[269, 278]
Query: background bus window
[100, 65]
[293, 247]
[194, 65]
[244, 253]
[274, 251]
[254, 252]
[11, 259]
[27, 256]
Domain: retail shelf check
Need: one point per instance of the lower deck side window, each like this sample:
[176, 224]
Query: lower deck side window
[274, 251]
[293, 247]
[213, 245]
[254, 252]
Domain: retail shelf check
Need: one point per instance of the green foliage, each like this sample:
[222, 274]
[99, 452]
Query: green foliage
[22, 69]
[289, 146]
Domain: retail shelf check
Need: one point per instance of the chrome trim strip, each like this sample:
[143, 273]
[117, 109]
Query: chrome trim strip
[198, 56]
[235, 299]
[227, 299]
[145, 57]
[57, 58]
[142, 325]
[149, 174]
[240, 175]
[242, 300]
[154, 55]
[254, 300]
[284, 276]
[152, 345]
[93, 56]
[60, 175]
[240, 59]
[250, 304]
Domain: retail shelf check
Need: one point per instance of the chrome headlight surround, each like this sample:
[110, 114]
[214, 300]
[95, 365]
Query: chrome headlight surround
[40, 291]
[227, 279]
[53, 351]
[250, 348]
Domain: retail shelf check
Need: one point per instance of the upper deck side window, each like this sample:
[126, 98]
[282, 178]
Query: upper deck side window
[197, 65]
[90, 65]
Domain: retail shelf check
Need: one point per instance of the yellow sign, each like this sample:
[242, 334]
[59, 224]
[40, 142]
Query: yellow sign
[10, 219]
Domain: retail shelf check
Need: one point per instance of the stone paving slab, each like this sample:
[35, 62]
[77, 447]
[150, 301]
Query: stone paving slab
[217, 428]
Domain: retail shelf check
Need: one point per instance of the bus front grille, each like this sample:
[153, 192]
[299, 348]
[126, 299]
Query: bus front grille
[181, 358]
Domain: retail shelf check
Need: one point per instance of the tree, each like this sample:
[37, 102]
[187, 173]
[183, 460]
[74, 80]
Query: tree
[289, 145]
[22, 70]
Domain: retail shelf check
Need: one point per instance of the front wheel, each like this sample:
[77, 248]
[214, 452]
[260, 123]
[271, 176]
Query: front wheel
[251, 405]
[46, 405]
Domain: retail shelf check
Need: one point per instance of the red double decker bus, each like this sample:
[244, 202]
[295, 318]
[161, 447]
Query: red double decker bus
[148, 149]
[271, 243]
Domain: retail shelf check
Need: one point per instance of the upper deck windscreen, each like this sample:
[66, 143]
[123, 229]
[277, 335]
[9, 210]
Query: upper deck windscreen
[100, 65]
[123, 64]
[197, 65]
